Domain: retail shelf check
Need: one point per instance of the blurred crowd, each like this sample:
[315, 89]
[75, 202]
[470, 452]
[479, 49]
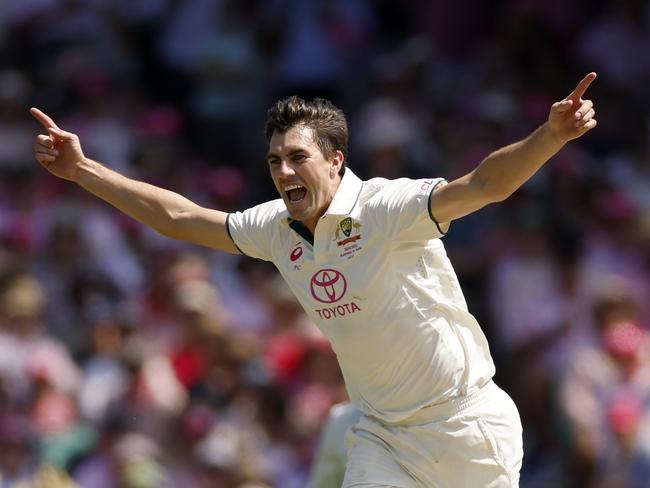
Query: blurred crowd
[129, 360]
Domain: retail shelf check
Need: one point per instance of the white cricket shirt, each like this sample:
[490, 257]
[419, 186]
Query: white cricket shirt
[377, 281]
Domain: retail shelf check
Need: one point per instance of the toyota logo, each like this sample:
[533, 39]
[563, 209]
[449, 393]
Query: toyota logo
[328, 286]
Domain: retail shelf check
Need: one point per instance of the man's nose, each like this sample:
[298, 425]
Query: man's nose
[286, 169]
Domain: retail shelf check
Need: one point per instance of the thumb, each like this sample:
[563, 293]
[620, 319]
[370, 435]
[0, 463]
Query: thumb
[563, 105]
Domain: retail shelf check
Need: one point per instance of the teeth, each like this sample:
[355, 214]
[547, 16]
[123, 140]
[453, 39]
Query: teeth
[291, 187]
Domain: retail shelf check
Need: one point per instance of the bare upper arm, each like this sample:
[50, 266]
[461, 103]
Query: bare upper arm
[458, 198]
[205, 227]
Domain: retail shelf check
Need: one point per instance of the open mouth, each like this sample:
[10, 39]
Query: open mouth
[295, 193]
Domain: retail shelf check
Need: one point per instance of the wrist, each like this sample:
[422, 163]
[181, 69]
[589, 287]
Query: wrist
[552, 136]
[85, 169]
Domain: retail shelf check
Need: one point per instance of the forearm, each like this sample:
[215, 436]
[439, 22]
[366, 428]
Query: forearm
[155, 207]
[508, 168]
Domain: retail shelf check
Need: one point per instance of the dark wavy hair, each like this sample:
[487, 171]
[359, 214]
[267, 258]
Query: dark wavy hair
[326, 120]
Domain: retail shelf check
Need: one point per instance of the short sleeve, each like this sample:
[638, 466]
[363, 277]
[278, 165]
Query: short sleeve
[403, 209]
[253, 230]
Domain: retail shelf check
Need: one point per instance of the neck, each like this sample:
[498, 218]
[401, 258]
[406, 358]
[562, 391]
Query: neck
[334, 186]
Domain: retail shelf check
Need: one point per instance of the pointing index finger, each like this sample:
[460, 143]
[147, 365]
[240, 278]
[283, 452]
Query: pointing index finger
[580, 90]
[43, 118]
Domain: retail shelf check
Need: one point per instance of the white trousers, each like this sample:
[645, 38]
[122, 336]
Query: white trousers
[469, 442]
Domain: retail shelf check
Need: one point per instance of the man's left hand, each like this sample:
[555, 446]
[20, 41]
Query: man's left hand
[572, 117]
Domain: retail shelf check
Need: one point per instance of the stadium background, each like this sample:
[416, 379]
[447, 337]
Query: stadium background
[130, 360]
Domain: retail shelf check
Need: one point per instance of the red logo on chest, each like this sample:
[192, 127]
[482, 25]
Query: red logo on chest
[295, 254]
[328, 286]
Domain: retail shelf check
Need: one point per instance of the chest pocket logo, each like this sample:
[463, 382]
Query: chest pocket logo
[296, 253]
[328, 285]
[348, 227]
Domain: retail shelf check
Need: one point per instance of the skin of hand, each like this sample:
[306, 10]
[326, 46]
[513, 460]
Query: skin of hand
[165, 211]
[573, 116]
[59, 151]
[503, 171]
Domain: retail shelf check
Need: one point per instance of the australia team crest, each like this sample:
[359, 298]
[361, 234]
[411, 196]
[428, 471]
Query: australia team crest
[350, 230]
[346, 236]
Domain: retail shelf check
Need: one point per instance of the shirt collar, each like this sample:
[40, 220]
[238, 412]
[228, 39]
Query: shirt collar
[347, 194]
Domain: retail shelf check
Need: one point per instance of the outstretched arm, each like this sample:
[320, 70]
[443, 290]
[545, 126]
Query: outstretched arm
[506, 169]
[167, 212]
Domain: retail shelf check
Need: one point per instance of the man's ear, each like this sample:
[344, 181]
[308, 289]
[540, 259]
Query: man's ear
[337, 162]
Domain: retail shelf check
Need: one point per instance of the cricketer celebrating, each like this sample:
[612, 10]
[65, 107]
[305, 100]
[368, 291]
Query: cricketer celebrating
[365, 260]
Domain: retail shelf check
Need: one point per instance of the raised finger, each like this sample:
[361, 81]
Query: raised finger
[43, 118]
[580, 90]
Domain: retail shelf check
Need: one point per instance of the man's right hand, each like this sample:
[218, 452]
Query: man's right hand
[59, 151]
[165, 211]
